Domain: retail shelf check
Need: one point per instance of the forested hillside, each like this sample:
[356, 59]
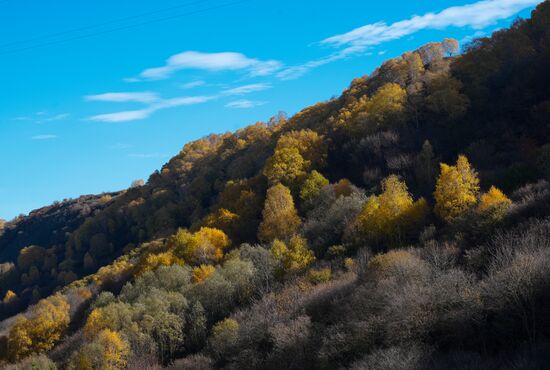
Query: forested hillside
[402, 225]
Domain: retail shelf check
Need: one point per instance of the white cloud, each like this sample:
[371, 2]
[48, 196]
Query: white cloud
[44, 137]
[58, 117]
[226, 61]
[121, 97]
[192, 84]
[477, 15]
[139, 114]
[244, 104]
[125, 116]
[247, 89]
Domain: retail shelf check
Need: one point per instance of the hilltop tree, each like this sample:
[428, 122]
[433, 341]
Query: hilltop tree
[450, 46]
[456, 189]
[280, 219]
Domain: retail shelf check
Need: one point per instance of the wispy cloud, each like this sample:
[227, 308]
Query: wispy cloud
[247, 89]
[41, 117]
[476, 16]
[44, 137]
[244, 104]
[121, 97]
[225, 61]
[139, 114]
[192, 84]
[58, 117]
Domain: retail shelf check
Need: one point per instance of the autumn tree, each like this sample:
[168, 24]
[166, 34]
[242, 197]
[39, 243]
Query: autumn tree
[280, 219]
[152, 261]
[494, 203]
[48, 322]
[202, 272]
[286, 166]
[387, 105]
[312, 186]
[431, 52]
[450, 46]
[390, 216]
[293, 256]
[456, 189]
[108, 351]
[309, 144]
[204, 246]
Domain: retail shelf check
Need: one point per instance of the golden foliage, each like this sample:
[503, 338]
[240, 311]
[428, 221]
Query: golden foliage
[202, 272]
[295, 256]
[280, 219]
[38, 334]
[108, 351]
[204, 246]
[493, 199]
[286, 166]
[387, 104]
[391, 215]
[151, 262]
[9, 297]
[309, 144]
[456, 189]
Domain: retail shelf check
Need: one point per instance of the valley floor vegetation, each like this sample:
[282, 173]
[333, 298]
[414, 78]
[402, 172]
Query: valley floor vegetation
[402, 225]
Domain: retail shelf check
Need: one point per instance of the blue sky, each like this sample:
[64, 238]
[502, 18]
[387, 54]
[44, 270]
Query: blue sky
[95, 94]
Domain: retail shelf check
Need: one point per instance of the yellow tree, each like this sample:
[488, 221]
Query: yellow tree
[48, 321]
[456, 189]
[295, 256]
[202, 272]
[115, 349]
[280, 219]
[390, 216]
[309, 144]
[494, 203]
[204, 246]
[286, 166]
[151, 262]
[387, 105]
[108, 351]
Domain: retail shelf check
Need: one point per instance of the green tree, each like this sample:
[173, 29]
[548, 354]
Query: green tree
[312, 186]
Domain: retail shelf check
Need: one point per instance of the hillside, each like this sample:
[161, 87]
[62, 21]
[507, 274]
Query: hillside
[402, 225]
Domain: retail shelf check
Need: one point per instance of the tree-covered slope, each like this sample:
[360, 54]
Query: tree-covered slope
[400, 225]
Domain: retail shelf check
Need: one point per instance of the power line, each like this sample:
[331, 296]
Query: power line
[106, 23]
[123, 27]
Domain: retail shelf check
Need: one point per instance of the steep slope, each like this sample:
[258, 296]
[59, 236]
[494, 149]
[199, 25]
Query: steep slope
[336, 183]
